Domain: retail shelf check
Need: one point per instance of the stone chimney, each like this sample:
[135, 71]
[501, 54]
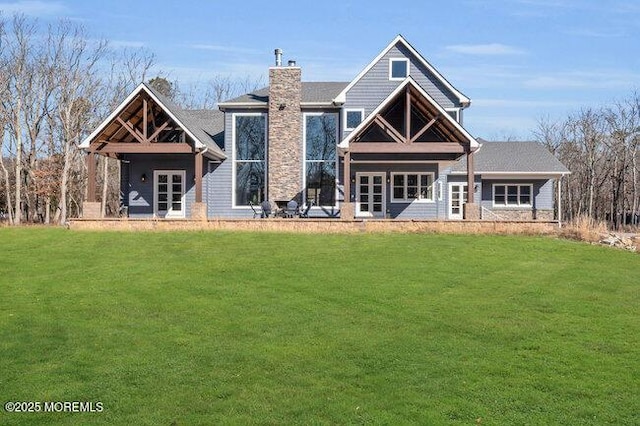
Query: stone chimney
[285, 132]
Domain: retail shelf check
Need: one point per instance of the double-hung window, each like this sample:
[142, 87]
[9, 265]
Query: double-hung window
[320, 139]
[512, 195]
[249, 154]
[407, 187]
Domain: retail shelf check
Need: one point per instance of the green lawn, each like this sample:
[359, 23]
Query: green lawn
[241, 328]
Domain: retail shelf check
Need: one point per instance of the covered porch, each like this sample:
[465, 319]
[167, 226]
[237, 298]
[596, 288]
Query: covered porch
[162, 152]
[392, 163]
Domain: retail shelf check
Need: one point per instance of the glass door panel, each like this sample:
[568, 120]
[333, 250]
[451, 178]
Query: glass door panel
[371, 195]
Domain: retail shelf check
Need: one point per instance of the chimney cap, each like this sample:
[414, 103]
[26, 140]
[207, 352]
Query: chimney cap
[291, 63]
[278, 53]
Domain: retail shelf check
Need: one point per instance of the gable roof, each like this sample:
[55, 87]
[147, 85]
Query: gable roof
[342, 97]
[409, 81]
[187, 120]
[313, 93]
[512, 158]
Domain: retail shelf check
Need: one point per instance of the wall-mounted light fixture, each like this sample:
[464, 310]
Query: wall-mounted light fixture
[143, 177]
[282, 106]
[388, 176]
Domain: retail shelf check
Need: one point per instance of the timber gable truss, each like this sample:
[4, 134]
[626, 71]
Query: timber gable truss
[409, 122]
[142, 126]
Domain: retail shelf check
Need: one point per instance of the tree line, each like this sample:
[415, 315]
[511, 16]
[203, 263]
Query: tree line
[601, 148]
[56, 85]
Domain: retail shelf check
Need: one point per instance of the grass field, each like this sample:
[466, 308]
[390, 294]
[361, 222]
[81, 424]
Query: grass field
[241, 328]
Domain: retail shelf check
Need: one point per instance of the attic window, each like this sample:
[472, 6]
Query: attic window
[398, 68]
[353, 117]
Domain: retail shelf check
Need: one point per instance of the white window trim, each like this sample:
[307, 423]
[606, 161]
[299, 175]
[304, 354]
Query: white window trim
[456, 110]
[383, 213]
[183, 175]
[304, 158]
[391, 61]
[413, 200]
[344, 118]
[233, 154]
[511, 206]
[450, 199]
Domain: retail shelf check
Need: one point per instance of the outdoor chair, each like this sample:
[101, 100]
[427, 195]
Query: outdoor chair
[256, 213]
[266, 209]
[305, 213]
[292, 209]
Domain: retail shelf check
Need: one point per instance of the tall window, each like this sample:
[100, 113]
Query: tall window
[512, 195]
[320, 135]
[249, 158]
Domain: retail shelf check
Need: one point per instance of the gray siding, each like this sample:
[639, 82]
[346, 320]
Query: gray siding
[219, 179]
[139, 195]
[542, 193]
[413, 210]
[375, 85]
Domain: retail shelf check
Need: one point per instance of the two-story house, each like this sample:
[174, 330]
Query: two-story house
[388, 144]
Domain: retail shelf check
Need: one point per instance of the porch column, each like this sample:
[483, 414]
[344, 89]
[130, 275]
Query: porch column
[198, 177]
[91, 177]
[560, 201]
[470, 179]
[199, 209]
[347, 209]
[91, 208]
[471, 210]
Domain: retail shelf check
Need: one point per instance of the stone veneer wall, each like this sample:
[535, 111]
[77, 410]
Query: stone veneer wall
[321, 226]
[526, 214]
[285, 134]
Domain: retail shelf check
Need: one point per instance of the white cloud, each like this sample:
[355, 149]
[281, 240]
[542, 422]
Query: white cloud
[33, 8]
[491, 49]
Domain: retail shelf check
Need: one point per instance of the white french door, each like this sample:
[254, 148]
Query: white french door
[168, 194]
[457, 198]
[370, 195]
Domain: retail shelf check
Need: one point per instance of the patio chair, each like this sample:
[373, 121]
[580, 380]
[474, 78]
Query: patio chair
[253, 207]
[305, 213]
[292, 209]
[266, 209]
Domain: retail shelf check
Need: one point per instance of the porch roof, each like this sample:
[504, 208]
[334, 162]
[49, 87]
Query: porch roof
[514, 158]
[204, 127]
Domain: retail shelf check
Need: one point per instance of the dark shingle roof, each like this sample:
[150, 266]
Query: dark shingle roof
[203, 124]
[512, 157]
[312, 92]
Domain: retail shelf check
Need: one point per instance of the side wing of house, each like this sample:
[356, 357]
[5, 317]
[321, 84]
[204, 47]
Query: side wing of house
[162, 150]
[513, 181]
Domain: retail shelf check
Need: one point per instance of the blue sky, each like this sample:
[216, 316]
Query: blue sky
[518, 60]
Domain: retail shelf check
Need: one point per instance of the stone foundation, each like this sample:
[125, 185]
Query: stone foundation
[333, 226]
[347, 211]
[471, 211]
[91, 209]
[199, 211]
[528, 214]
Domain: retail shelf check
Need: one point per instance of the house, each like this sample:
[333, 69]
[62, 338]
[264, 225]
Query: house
[388, 144]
